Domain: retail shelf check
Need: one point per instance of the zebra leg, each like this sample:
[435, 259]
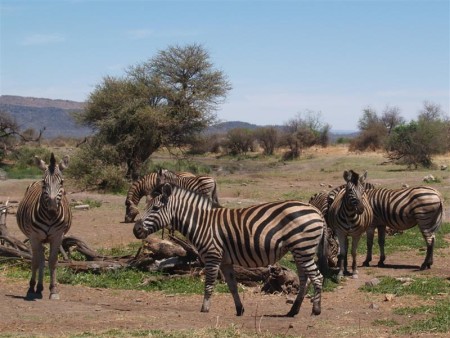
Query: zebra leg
[211, 271]
[342, 256]
[52, 261]
[303, 279]
[37, 263]
[381, 242]
[355, 241]
[370, 236]
[230, 278]
[429, 257]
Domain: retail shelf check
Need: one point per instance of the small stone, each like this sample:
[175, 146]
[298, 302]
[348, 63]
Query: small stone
[374, 306]
[373, 282]
[388, 297]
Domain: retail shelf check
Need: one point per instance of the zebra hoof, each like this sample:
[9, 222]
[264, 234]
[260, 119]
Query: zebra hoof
[33, 295]
[54, 296]
[366, 263]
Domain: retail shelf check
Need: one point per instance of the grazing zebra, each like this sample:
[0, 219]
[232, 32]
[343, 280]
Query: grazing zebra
[350, 215]
[202, 184]
[140, 188]
[44, 216]
[401, 209]
[254, 236]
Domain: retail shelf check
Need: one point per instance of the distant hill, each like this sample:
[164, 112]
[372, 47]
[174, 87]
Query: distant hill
[37, 113]
[55, 116]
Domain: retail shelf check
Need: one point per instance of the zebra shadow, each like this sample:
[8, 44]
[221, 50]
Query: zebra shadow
[398, 267]
[25, 298]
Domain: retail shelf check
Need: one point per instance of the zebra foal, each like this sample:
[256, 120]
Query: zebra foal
[401, 209]
[349, 214]
[254, 236]
[44, 216]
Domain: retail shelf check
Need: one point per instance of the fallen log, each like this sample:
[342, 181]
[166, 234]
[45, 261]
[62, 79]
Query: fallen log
[81, 246]
[14, 253]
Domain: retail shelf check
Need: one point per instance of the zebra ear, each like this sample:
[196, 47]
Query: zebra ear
[64, 163]
[347, 175]
[363, 177]
[40, 163]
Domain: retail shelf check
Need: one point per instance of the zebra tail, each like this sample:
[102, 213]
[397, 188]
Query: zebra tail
[322, 253]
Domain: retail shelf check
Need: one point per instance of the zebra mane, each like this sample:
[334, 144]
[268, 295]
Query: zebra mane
[180, 191]
[52, 164]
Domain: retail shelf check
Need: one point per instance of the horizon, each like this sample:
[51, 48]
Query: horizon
[282, 58]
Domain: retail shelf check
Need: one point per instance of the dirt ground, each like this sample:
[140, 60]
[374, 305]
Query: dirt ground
[345, 311]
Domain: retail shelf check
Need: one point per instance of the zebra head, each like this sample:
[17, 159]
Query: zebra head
[165, 176]
[130, 211]
[355, 189]
[52, 182]
[157, 215]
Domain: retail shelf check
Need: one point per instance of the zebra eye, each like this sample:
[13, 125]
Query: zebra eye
[155, 208]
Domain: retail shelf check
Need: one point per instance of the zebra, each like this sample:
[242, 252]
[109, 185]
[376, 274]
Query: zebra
[254, 236]
[3, 228]
[328, 248]
[350, 215]
[203, 184]
[140, 188]
[44, 216]
[401, 209]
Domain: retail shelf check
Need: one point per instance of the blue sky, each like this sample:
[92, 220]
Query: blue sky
[282, 58]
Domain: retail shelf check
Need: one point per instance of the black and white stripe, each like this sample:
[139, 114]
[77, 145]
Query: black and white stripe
[44, 216]
[350, 215]
[205, 185]
[402, 209]
[254, 236]
[140, 188]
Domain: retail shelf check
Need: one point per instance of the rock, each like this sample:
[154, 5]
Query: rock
[374, 306]
[444, 167]
[373, 282]
[429, 178]
[388, 297]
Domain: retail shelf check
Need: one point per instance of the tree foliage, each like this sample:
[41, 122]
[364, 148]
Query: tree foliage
[415, 143]
[159, 103]
[11, 135]
[304, 131]
[267, 138]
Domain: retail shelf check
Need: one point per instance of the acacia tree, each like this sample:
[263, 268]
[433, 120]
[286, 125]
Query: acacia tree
[10, 134]
[415, 143]
[304, 131]
[159, 103]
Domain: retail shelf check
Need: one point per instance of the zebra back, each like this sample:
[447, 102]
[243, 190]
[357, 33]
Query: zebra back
[403, 208]
[44, 211]
[140, 188]
[205, 185]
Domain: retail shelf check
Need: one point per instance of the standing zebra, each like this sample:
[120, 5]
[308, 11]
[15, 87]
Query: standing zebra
[140, 188]
[44, 216]
[202, 184]
[401, 209]
[350, 215]
[254, 236]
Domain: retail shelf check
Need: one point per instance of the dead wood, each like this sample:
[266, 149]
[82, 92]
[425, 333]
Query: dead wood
[81, 247]
[14, 243]
[93, 266]
[14, 253]
[281, 279]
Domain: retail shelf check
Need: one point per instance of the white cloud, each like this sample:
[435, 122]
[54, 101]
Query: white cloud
[42, 39]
